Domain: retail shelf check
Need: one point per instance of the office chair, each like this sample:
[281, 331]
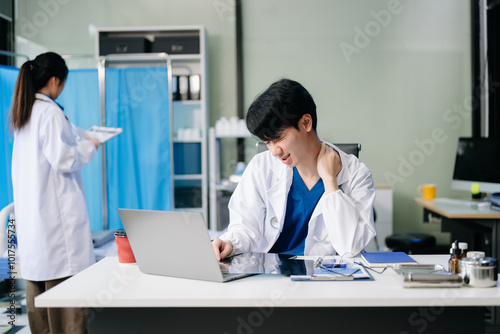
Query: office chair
[350, 148]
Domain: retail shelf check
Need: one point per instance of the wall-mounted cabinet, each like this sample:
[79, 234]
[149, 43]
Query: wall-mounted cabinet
[186, 48]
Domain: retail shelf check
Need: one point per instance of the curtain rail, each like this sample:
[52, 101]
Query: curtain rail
[12, 54]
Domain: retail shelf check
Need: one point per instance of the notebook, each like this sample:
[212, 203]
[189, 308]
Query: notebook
[384, 259]
[177, 244]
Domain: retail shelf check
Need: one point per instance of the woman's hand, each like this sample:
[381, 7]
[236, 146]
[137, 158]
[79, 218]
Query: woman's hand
[95, 141]
[329, 166]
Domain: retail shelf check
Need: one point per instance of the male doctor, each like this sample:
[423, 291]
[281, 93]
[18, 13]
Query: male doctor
[303, 196]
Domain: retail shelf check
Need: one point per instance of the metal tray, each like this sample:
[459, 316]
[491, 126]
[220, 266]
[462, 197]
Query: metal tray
[417, 268]
[437, 280]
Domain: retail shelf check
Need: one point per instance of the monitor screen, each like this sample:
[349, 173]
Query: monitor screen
[477, 160]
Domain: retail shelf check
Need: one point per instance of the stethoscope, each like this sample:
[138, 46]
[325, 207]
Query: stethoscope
[274, 222]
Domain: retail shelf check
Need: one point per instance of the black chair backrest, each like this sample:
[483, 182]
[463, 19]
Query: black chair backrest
[347, 148]
[350, 148]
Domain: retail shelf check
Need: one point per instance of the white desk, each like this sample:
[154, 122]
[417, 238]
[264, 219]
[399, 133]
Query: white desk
[121, 295]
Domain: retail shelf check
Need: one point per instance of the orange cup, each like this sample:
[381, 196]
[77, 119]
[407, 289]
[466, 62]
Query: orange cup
[125, 254]
[427, 191]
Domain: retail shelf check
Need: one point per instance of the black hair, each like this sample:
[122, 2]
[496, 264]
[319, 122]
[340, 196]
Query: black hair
[33, 76]
[279, 107]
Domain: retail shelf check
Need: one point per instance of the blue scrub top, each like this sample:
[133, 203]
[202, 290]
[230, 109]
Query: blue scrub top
[299, 208]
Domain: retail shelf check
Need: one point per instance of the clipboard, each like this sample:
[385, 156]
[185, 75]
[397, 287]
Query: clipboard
[103, 133]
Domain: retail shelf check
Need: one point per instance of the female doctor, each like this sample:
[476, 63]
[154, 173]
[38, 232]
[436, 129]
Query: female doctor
[52, 223]
[303, 196]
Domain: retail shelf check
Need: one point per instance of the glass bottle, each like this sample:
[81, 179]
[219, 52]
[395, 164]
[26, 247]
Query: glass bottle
[451, 261]
[463, 249]
[455, 259]
[451, 267]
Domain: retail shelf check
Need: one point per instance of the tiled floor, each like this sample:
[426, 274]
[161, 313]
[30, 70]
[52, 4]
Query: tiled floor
[20, 322]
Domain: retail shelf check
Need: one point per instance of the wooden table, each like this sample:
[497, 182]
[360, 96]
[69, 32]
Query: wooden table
[479, 227]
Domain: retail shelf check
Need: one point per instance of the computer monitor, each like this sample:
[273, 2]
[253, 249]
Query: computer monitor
[477, 161]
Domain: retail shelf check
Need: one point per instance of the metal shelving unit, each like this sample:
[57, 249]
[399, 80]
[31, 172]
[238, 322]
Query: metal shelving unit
[190, 159]
[217, 187]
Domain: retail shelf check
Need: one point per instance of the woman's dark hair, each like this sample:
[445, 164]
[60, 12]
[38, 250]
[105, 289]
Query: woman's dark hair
[280, 107]
[34, 75]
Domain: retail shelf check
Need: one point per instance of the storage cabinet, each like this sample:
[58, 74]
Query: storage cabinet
[383, 224]
[186, 49]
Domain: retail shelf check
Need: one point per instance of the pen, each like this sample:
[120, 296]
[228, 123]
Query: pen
[339, 273]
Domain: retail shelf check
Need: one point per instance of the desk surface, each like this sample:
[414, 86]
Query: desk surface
[110, 284]
[451, 210]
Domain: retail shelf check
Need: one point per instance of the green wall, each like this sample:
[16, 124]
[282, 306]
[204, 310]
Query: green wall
[68, 26]
[392, 75]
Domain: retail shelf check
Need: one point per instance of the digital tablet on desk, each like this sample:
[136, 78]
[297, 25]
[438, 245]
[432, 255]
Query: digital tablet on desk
[266, 263]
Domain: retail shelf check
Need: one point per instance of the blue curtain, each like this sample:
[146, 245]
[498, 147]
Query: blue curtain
[80, 99]
[8, 77]
[138, 160]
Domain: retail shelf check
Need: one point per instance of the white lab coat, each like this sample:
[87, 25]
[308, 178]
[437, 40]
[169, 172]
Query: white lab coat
[341, 222]
[52, 223]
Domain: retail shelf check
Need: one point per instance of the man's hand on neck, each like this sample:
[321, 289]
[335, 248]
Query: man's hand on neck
[329, 166]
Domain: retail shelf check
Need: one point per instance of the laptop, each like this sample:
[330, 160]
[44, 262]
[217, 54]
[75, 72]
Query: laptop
[175, 244]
